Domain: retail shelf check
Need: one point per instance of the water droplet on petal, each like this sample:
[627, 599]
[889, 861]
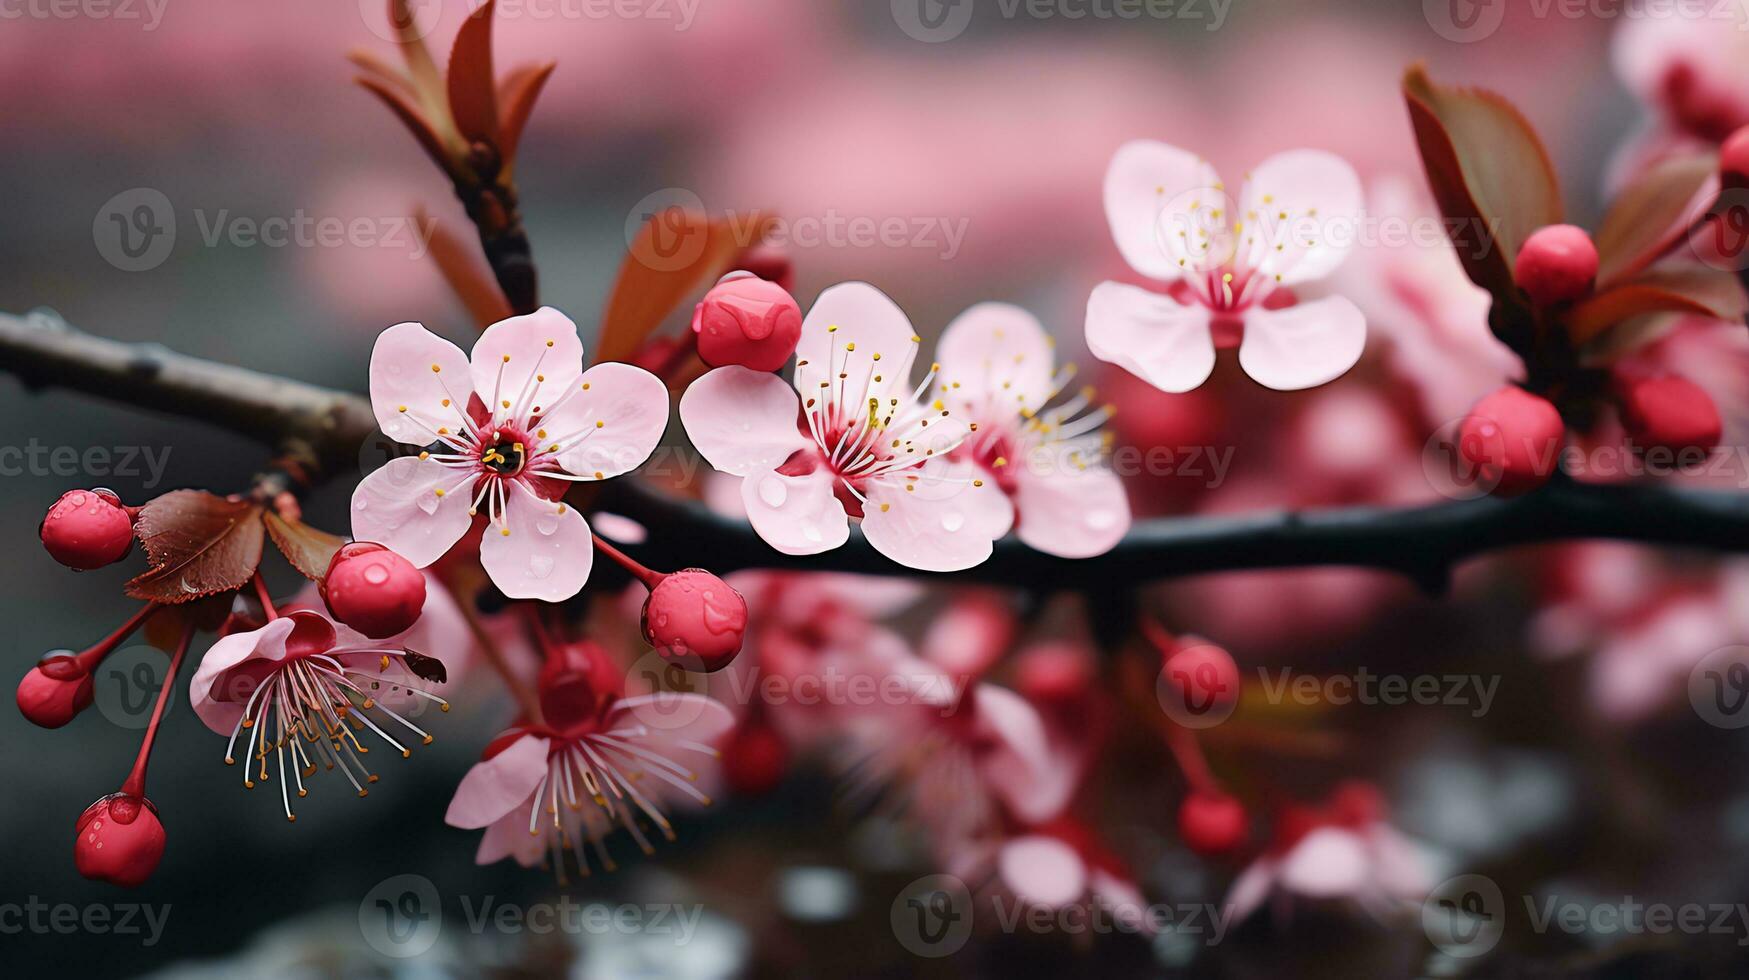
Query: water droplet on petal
[773, 492]
[547, 524]
[427, 502]
[952, 521]
[1101, 520]
[540, 566]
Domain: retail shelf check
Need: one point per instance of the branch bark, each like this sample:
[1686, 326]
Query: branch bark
[324, 429]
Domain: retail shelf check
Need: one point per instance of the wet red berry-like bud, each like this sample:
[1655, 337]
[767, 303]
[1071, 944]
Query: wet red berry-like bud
[1356, 804]
[755, 760]
[576, 681]
[54, 691]
[1201, 674]
[88, 529]
[119, 840]
[1669, 412]
[694, 619]
[373, 590]
[1212, 823]
[1557, 264]
[1734, 158]
[748, 321]
[1513, 438]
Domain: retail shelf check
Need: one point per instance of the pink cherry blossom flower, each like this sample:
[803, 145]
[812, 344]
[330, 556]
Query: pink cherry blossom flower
[539, 791]
[1366, 862]
[511, 427]
[1057, 866]
[1229, 265]
[857, 442]
[441, 632]
[299, 694]
[998, 371]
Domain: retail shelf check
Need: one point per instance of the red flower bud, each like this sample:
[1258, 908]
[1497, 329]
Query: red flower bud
[1734, 158]
[119, 840]
[576, 682]
[748, 321]
[1356, 804]
[373, 590]
[1054, 673]
[694, 618]
[1557, 264]
[755, 760]
[1202, 674]
[1513, 436]
[88, 529]
[55, 690]
[1212, 823]
[1669, 412]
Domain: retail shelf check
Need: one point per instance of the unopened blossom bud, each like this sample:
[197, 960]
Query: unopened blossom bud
[55, 690]
[1557, 264]
[373, 590]
[119, 840]
[1734, 158]
[576, 681]
[755, 760]
[1202, 674]
[748, 321]
[1212, 823]
[1513, 437]
[694, 619]
[1670, 412]
[1356, 804]
[88, 529]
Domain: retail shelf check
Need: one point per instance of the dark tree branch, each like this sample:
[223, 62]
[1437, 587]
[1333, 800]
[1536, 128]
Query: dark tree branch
[325, 428]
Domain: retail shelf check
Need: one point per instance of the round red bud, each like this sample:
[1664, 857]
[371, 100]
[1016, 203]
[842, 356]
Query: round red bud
[54, 691]
[1669, 412]
[576, 681]
[88, 529]
[1734, 158]
[1356, 804]
[119, 840]
[1556, 265]
[373, 590]
[694, 619]
[1202, 674]
[755, 760]
[1513, 437]
[748, 321]
[1212, 823]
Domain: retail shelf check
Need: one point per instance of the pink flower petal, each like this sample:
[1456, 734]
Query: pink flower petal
[741, 420]
[545, 361]
[942, 523]
[1021, 769]
[855, 313]
[797, 515]
[508, 837]
[616, 420]
[1250, 889]
[1157, 339]
[1070, 511]
[674, 716]
[496, 786]
[547, 552]
[217, 692]
[1144, 178]
[1308, 203]
[1328, 863]
[995, 354]
[418, 508]
[1043, 871]
[1304, 345]
[401, 378]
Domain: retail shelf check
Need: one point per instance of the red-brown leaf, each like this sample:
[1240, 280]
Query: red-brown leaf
[198, 544]
[516, 97]
[1699, 290]
[308, 549]
[164, 629]
[410, 117]
[1487, 169]
[1653, 213]
[653, 280]
[472, 100]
